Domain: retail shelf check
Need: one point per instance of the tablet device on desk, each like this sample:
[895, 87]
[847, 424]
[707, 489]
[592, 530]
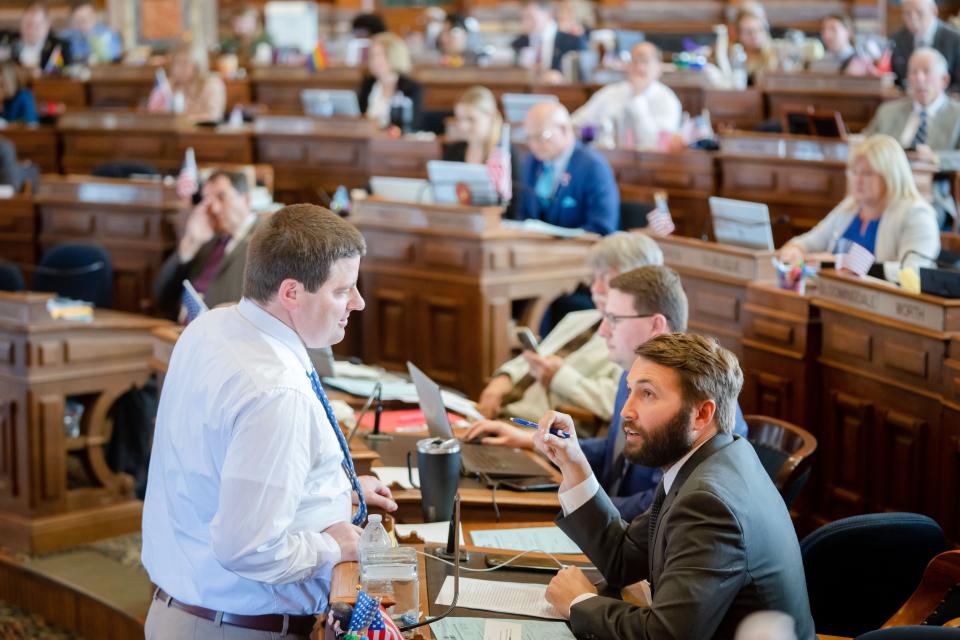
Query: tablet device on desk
[402, 189]
[329, 102]
[741, 223]
[461, 183]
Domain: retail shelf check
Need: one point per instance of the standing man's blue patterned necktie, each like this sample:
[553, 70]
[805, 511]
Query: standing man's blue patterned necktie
[361, 513]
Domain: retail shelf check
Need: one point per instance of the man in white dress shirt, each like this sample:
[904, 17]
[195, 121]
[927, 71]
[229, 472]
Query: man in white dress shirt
[639, 108]
[248, 503]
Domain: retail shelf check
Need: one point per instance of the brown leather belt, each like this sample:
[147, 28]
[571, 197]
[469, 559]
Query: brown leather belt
[271, 622]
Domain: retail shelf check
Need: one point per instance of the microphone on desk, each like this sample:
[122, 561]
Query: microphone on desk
[376, 393]
[456, 573]
[452, 551]
[377, 412]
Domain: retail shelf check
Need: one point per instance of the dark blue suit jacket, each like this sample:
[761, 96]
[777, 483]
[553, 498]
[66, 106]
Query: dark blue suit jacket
[639, 484]
[587, 196]
[563, 43]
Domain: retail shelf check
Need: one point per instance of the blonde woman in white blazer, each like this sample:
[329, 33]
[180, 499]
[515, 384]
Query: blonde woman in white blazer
[883, 208]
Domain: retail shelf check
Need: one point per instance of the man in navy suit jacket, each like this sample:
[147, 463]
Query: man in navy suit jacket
[640, 304]
[546, 45]
[565, 182]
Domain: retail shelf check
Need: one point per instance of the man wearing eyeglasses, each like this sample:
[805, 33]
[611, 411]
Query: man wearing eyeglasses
[565, 183]
[640, 304]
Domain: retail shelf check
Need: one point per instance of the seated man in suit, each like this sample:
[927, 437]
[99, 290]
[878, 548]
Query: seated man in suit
[639, 108]
[922, 28]
[35, 44]
[565, 182]
[542, 45]
[927, 122]
[571, 364]
[212, 252]
[640, 304]
[716, 545]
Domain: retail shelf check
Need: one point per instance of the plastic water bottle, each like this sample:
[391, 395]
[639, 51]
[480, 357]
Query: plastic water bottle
[738, 66]
[374, 537]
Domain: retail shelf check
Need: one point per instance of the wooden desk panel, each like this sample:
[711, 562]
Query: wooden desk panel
[71, 93]
[311, 154]
[949, 508]
[742, 109]
[220, 145]
[857, 111]
[120, 86]
[401, 157]
[239, 92]
[279, 88]
[132, 221]
[50, 361]
[18, 231]
[37, 144]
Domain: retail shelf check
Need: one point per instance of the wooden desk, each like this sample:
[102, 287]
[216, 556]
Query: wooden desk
[439, 282]
[443, 86]
[881, 432]
[801, 178]
[715, 277]
[781, 341]
[401, 157]
[856, 98]
[950, 449]
[66, 91]
[92, 138]
[132, 220]
[120, 86]
[45, 362]
[688, 177]
[311, 154]
[18, 231]
[38, 144]
[278, 88]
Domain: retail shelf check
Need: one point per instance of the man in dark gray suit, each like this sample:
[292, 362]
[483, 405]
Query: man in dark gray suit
[922, 28]
[212, 252]
[716, 545]
[927, 122]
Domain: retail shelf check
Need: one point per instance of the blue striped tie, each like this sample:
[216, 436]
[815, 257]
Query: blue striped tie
[361, 513]
[921, 135]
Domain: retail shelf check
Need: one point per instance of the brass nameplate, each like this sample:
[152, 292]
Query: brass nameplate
[894, 305]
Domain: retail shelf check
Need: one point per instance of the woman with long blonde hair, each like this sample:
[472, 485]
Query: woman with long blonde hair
[188, 73]
[479, 122]
[883, 212]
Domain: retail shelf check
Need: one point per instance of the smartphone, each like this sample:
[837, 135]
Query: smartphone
[530, 484]
[525, 563]
[527, 339]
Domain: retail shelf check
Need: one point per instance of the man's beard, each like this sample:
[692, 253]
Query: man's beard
[661, 446]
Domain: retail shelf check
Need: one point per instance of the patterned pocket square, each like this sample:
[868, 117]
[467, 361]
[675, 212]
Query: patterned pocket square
[568, 201]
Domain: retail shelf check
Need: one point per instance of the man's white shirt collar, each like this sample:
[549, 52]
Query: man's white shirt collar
[927, 39]
[670, 474]
[267, 323]
[933, 107]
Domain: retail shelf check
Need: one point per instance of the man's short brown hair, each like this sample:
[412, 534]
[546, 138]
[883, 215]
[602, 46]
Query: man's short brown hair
[706, 371]
[656, 289]
[302, 242]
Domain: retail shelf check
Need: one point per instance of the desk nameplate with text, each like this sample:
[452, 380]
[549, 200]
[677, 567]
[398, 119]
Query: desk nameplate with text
[882, 300]
[732, 262]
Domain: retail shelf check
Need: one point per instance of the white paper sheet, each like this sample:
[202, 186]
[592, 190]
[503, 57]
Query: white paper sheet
[435, 532]
[549, 539]
[504, 597]
[466, 628]
[398, 475]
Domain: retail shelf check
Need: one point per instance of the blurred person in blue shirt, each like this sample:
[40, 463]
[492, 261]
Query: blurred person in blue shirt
[90, 40]
[18, 102]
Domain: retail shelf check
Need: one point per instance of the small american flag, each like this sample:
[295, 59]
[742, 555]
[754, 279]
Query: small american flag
[192, 303]
[189, 180]
[659, 219]
[370, 620]
[857, 259]
[498, 165]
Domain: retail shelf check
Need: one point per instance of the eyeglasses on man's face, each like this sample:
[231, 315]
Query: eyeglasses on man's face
[612, 318]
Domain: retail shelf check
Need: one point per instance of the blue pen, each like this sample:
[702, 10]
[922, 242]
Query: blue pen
[534, 425]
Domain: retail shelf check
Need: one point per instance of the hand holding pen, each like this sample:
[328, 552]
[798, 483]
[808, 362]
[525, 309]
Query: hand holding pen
[533, 425]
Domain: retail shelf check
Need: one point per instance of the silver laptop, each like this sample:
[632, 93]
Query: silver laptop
[329, 102]
[496, 462]
[402, 189]
[741, 223]
[447, 178]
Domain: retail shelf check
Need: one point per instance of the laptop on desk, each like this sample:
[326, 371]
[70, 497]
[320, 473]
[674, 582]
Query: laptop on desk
[495, 462]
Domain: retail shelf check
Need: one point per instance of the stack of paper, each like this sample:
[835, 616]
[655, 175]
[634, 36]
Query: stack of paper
[499, 629]
[549, 539]
[517, 598]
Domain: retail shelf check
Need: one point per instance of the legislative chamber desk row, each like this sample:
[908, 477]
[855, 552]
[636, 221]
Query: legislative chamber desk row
[278, 90]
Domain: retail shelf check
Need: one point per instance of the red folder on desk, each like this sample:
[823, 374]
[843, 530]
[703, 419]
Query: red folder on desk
[402, 421]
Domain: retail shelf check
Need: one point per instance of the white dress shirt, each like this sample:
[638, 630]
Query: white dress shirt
[378, 106]
[656, 109]
[245, 472]
[30, 54]
[913, 121]
[926, 40]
